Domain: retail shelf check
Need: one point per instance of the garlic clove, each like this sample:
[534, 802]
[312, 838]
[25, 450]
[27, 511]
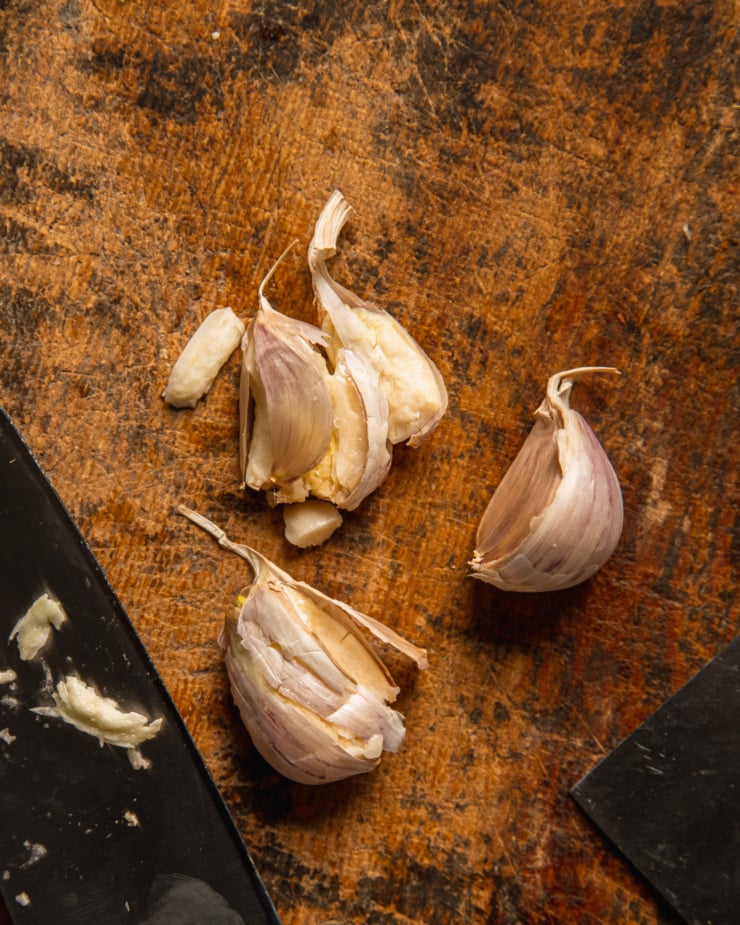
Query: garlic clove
[286, 410]
[410, 381]
[557, 515]
[205, 353]
[310, 522]
[359, 455]
[311, 691]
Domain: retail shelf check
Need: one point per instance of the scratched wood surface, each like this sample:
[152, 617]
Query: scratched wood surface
[536, 187]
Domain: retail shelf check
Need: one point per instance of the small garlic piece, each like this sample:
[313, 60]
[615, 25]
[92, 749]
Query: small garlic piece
[410, 381]
[285, 405]
[202, 358]
[557, 515]
[33, 630]
[359, 455]
[310, 522]
[80, 705]
[311, 691]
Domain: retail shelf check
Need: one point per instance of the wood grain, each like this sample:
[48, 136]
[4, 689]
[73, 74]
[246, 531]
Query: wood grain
[536, 187]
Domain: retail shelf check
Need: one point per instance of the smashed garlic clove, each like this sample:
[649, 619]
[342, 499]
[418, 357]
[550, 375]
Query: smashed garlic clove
[411, 383]
[286, 410]
[311, 691]
[33, 630]
[557, 515]
[81, 706]
[310, 522]
[202, 358]
[359, 455]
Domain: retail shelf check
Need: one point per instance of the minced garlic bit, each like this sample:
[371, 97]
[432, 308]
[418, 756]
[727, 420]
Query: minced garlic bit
[7, 736]
[7, 676]
[80, 705]
[23, 899]
[35, 626]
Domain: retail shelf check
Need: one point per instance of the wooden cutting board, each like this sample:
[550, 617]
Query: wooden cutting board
[536, 187]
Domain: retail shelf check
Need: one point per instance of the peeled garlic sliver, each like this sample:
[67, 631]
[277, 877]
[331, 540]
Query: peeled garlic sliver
[203, 356]
[557, 515]
[286, 409]
[412, 384]
[310, 522]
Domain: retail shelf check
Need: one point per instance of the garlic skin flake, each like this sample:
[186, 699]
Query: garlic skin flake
[557, 515]
[410, 381]
[202, 358]
[311, 691]
[285, 406]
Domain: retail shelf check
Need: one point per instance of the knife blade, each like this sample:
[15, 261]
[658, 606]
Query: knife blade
[85, 835]
[668, 797]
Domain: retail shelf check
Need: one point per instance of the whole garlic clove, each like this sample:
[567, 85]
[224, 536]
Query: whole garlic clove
[311, 691]
[412, 384]
[557, 515]
[286, 410]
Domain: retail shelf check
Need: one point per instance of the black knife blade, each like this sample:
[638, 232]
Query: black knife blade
[85, 837]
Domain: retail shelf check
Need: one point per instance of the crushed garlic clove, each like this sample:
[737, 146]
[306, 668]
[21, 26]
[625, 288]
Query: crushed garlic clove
[203, 357]
[33, 630]
[557, 515]
[410, 381]
[311, 691]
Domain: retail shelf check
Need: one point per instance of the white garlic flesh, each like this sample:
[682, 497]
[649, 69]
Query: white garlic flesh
[311, 691]
[310, 522]
[410, 381]
[557, 515]
[203, 357]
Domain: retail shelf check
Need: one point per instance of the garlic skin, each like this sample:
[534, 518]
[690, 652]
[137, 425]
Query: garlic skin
[410, 381]
[285, 406]
[311, 691]
[202, 357]
[557, 515]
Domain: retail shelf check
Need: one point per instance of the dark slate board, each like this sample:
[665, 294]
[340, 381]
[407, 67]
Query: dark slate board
[668, 796]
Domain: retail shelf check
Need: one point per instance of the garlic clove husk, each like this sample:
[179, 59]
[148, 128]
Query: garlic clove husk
[311, 691]
[557, 515]
[411, 382]
[286, 410]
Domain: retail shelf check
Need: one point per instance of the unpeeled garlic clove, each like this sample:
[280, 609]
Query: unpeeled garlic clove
[311, 691]
[557, 515]
[286, 411]
[412, 384]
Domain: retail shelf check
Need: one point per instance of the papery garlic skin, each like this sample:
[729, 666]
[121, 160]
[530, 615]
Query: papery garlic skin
[311, 691]
[411, 382]
[286, 409]
[202, 357]
[557, 515]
